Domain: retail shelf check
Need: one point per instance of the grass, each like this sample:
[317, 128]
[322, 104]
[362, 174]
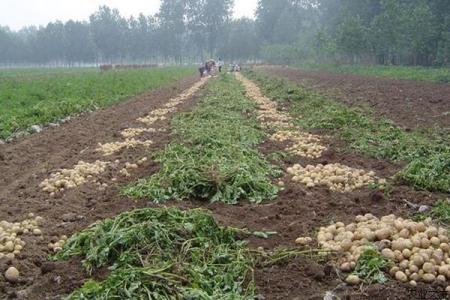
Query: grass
[214, 158]
[427, 153]
[29, 73]
[396, 72]
[371, 266]
[162, 253]
[40, 100]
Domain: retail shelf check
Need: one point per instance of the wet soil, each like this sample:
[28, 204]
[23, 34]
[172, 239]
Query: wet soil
[410, 104]
[296, 212]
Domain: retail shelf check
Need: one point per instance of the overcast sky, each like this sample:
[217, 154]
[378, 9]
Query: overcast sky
[19, 13]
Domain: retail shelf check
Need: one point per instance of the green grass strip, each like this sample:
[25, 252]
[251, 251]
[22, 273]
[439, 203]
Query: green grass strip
[397, 72]
[215, 157]
[427, 153]
[43, 99]
[163, 253]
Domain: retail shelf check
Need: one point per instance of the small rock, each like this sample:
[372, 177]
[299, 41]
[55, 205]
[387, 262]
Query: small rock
[2, 142]
[36, 128]
[12, 275]
[424, 208]
[53, 125]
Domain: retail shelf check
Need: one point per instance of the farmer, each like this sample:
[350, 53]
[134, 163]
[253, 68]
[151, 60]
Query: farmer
[220, 65]
[210, 64]
[202, 70]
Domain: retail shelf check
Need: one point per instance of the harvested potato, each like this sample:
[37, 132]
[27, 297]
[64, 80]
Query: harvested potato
[71, 178]
[336, 177]
[413, 256]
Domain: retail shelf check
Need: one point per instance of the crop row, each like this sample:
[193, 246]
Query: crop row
[427, 155]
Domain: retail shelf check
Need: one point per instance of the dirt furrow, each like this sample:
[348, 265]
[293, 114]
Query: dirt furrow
[28, 162]
[410, 104]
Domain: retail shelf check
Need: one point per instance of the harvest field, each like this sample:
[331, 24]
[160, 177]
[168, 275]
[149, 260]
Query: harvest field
[40, 96]
[247, 185]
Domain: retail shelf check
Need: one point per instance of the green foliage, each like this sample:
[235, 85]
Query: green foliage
[162, 253]
[396, 72]
[216, 160]
[439, 212]
[371, 266]
[428, 155]
[40, 98]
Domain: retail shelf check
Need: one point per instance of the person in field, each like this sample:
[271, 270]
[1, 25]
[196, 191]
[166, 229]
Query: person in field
[202, 70]
[220, 64]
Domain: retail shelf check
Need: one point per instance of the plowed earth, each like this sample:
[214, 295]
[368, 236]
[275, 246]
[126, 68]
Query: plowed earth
[410, 104]
[297, 211]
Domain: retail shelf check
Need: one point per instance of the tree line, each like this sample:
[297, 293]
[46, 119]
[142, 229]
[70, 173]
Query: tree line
[390, 32]
[412, 32]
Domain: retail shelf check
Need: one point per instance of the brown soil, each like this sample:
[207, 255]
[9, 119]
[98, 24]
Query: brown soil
[409, 103]
[296, 212]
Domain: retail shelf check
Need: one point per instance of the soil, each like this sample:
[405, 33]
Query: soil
[296, 212]
[410, 104]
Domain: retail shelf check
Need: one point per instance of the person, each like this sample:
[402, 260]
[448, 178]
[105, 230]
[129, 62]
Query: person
[202, 70]
[220, 65]
[209, 65]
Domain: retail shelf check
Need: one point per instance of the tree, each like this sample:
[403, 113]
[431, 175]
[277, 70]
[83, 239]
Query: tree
[108, 32]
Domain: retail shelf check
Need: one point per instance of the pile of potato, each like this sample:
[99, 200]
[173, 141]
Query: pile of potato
[134, 132]
[58, 244]
[111, 148]
[150, 120]
[10, 242]
[304, 144]
[419, 251]
[336, 177]
[70, 178]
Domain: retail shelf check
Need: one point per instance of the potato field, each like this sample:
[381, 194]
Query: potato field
[269, 183]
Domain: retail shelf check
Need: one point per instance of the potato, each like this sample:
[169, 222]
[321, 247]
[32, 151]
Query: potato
[414, 276]
[429, 278]
[12, 275]
[441, 278]
[428, 267]
[400, 276]
[418, 260]
[388, 253]
[413, 283]
[346, 267]
[353, 279]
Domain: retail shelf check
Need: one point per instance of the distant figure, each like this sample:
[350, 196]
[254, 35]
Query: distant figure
[209, 66]
[202, 70]
[220, 65]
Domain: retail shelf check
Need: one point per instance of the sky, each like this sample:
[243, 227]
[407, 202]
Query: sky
[19, 13]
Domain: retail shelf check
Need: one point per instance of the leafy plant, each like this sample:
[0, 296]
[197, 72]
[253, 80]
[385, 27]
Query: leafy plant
[439, 212]
[162, 253]
[371, 266]
[215, 159]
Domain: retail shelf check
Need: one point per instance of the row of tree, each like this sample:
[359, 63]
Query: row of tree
[182, 31]
[415, 32]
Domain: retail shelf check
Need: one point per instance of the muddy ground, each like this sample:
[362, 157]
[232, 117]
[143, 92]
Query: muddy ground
[296, 212]
[411, 104]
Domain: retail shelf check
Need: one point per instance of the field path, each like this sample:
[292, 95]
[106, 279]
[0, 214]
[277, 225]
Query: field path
[25, 163]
